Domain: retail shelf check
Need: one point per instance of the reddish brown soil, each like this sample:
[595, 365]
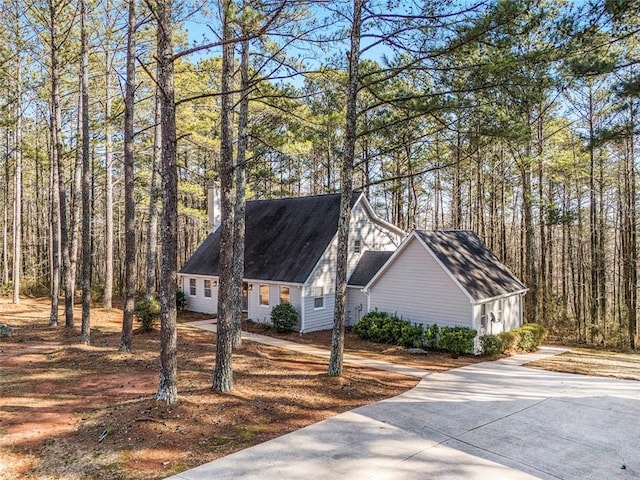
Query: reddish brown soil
[434, 361]
[69, 411]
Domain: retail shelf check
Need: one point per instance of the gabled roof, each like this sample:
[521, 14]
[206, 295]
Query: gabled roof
[369, 264]
[284, 238]
[471, 263]
[467, 261]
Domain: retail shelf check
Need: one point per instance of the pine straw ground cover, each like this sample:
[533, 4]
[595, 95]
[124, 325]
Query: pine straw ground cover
[69, 411]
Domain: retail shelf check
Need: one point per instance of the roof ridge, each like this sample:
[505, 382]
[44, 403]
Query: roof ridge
[301, 197]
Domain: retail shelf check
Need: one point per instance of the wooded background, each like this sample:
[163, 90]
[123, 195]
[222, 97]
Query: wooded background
[516, 119]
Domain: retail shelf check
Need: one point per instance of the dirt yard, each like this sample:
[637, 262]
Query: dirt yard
[73, 412]
[69, 411]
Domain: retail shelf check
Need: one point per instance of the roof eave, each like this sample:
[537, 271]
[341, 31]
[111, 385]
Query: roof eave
[498, 297]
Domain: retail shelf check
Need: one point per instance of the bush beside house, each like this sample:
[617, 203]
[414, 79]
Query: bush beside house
[284, 317]
[526, 338]
[382, 327]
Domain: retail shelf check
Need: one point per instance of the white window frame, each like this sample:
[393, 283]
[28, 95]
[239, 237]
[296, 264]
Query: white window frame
[266, 285]
[288, 294]
[318, 294]
[499, 311]
[357, 245]
[484, 317]
[207, 288]
[193, 287]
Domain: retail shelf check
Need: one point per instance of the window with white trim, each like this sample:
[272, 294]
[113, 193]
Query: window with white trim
[192, 287]
[285, 295]
[318, 297]
[357, 246]
[264, 295]
[207, 288]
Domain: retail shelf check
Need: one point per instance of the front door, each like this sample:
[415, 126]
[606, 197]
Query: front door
[245, 296]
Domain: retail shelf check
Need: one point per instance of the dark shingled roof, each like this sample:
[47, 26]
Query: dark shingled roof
[369, 264]
[284, 238]
[471, 263]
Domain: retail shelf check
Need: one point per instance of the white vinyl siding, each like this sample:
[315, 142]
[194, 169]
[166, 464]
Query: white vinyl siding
[200, 303]
[262, 313]
[417, 288]
[372, 236]
[506, 312]
[318, 318]
[356, 305]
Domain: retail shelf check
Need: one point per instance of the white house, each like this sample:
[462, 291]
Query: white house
[449, 278]
[290, 255]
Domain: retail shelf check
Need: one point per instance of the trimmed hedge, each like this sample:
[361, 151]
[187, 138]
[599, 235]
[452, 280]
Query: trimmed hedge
[381, 327]
[457, 340]
[510, 341]
[526, 338]
[432, 337]
[491, 345]
[538, 331]
[284, 317]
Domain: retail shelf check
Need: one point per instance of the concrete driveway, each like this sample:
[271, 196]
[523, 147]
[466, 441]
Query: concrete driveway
[494, 420]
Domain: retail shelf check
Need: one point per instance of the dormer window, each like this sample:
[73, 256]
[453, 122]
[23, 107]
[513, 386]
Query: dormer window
[357, 246]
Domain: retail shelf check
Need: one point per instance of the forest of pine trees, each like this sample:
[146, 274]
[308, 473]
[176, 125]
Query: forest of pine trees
[516, 119]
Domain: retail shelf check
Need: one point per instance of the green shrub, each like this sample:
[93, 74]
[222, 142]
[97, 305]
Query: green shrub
[97, 292]
[33, 287]
[411, 335]
[538, 331]
[284, 317]
[147, 311]
[527, 341]
[381, 327]
[457, 340]
[510, 340]
[432, 337]
[368, 326]
[526, 338]
[181, 300]
[491, 345]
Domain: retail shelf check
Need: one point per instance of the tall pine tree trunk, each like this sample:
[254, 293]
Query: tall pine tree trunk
[168, 377]
[108, 172]
[223, 372]
[56, 161]
[152, 227]
[85, 331]
[240, 206]
[129, 184]
[346, 190]
[17, 212]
